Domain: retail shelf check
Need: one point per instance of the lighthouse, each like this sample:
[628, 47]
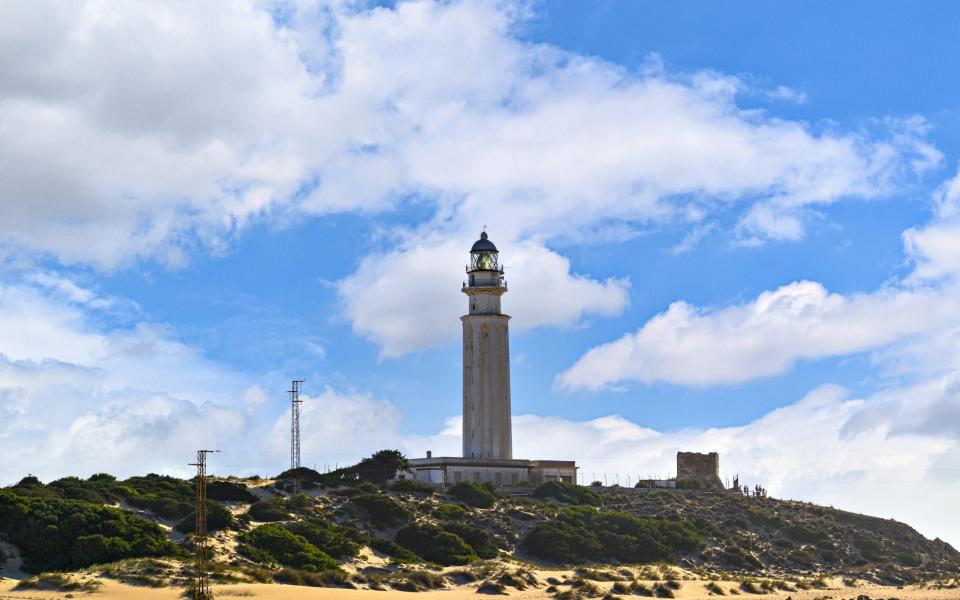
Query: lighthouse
[486, 357]
[487, 433]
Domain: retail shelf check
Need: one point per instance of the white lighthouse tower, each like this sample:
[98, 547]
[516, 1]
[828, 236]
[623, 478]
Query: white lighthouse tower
[487, 433]
[486, 357]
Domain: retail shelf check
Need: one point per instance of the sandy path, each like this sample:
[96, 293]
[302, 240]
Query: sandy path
[691, 590]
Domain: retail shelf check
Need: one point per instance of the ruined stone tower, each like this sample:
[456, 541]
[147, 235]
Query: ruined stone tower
[486, 358]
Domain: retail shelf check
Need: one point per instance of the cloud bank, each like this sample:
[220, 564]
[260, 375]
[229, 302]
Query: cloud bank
[695, 346]
[148, 132]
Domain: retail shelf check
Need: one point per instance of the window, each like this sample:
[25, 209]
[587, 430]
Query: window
[514, 478]
[476, 476]
[498, 477]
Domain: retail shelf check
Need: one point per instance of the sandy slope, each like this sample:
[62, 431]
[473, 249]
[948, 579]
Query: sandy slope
[691, 590]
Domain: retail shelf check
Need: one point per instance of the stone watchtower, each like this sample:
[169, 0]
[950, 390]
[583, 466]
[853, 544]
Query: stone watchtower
[486, 358]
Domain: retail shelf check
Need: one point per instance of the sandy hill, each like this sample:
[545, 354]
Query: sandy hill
[556, 540]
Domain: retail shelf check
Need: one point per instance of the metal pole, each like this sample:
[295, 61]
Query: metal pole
[201, 586]
[295, 402]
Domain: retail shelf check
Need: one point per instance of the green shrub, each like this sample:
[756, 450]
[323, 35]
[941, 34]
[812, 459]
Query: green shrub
[269, 511]
[331, 539]
[562, 543]
[299, 502]
[449, 512]
[284, 547]
[870, 548]
[228, 491]
[736, 557]
[383, 510]
[432, 543]
[473, 495]
[218, 517]
[392, 549]
[100, 489]
[412, 486]
[32, 487]
[166, 497]
[379, 468]
[582, 534]
[568, 493]
[482, 542]
[802, 533]
[329, 578]
[909, 559]
[56, 534]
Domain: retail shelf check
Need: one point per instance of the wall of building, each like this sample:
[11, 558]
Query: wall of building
[699, 469]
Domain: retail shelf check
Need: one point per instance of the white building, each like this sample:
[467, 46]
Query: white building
[487, 430]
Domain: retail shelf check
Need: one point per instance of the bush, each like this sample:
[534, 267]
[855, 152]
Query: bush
[368, 487]
[378, 468]
[56, 534]
[383, 510]
[269, 511]
[335, 577]
[102, 490]
[568, 493]
[166, 497]
[483, 543]
[449, 512]
[328, 538]
[581, 534]
[473, 495]
[562, 543]
[412, 486]
[432, 543]
[218, 517]
[802, 533]
[299, 502]
[283, 547]
[392, 549]
[228, 491]
[909, 559]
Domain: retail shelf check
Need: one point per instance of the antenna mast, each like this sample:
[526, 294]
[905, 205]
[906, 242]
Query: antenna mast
[295, 403]
[201, 583]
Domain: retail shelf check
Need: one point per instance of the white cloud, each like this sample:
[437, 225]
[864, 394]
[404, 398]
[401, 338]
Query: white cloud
[135, 132]
[76, 398]
[338, 427]
[409, 298]
[139, 131]
[904, 323]
[891, 455]
[763, 337]
[136, 400]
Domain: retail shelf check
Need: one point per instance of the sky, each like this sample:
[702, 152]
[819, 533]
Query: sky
[728, 226]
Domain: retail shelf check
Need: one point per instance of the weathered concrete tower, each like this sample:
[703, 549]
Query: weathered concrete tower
[486, 358]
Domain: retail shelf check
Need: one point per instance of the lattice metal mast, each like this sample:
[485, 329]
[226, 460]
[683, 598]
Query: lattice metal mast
[295, 402]
[201, 583]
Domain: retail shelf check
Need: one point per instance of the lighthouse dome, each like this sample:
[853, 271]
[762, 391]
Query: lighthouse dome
[483, 244]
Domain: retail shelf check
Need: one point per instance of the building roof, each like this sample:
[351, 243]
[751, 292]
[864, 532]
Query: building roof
[483, 244]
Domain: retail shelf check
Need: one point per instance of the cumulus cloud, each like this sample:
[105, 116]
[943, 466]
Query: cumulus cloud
[143, 132]
[766, 336]
[136, 400]
[139, 132]
[903, 323]
[76, 398]
[409, 298]
[868, 459]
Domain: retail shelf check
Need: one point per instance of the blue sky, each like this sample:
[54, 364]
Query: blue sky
[727, 226]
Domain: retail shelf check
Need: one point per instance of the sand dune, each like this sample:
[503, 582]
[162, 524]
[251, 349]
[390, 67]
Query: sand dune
[690, 590]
